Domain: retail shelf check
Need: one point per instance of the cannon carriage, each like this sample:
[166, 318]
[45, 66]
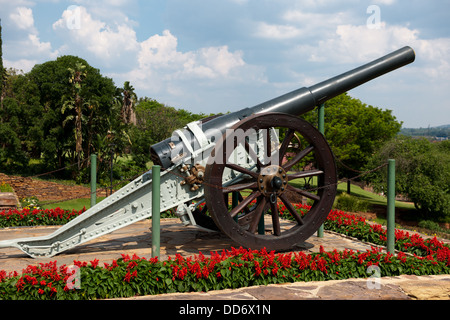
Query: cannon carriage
[254, 159]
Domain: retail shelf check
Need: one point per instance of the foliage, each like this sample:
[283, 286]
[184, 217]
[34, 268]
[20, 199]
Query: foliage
[64, 110]
[350, 203]
[441, 131]
[235, 268]
[430, 225]
[60, 111]
[19, 129]
[155, 122]
[30, 203]
[422, 173]
[4, 187]
[354, 130]
[36, 217]
[2, 69]
[130, 276]
[33, 215]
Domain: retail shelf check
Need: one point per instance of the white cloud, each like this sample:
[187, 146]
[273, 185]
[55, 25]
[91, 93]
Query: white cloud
[156, 65]
[95, 36]
[26, 48]
[160, 63]
[23, 18]
[22, 64]
[358, 44]
[384, 2]
[276, 31]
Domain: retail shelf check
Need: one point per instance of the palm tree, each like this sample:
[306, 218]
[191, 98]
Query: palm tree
[128, 101]
[75, 101]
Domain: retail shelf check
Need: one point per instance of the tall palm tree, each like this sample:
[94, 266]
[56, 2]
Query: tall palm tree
[75, 101]
[128, 101]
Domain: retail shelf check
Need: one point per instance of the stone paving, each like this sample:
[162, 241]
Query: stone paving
[187, 241]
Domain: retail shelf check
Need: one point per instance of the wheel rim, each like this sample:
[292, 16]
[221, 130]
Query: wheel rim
[268, 177]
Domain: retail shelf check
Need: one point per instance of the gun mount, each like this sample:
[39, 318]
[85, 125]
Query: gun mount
[262, 157]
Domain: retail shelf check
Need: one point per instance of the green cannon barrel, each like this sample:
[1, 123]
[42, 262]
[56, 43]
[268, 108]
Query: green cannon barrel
[295, 103]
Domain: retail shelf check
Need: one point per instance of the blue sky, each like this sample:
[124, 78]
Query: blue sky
[216, 56]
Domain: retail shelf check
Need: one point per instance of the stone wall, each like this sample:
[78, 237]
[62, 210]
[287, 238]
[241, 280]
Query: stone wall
[25, 187]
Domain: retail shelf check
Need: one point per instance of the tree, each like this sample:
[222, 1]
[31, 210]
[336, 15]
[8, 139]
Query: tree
[154, 123]
[21, 133]
[354, 131]
[75, 101]
[129, 99]
[422, 173]
[2, 69]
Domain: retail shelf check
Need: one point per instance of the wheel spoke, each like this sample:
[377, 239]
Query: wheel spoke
[275, 219]
[241, 169]
[289, 135]
[268, 144]
[304, 174]
[299, 156]
[244, 203]
[240, 187]
[300, 148]
[292, 210]
[257, 215]
[304, 193]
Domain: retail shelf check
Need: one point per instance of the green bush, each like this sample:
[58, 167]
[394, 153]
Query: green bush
[422, 172]
[4, 187]
[346, 202]
[430, 225]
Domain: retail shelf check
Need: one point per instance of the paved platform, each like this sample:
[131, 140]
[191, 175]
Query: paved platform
[187, 241]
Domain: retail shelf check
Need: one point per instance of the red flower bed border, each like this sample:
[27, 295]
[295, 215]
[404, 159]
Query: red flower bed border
[37, 217]
[233, 268]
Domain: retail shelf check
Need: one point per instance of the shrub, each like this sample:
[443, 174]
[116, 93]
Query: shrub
[4, 187]
[422, 173]
[350, 203]
[430, 225]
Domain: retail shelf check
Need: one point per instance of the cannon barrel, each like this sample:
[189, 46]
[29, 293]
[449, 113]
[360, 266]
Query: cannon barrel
[295, 103]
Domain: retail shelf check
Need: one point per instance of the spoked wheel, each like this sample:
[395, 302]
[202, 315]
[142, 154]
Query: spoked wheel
[264, 161]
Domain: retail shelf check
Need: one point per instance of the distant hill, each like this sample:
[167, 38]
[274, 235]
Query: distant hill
[439, 131]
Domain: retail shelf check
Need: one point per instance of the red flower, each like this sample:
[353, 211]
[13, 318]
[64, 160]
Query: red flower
[94, 263]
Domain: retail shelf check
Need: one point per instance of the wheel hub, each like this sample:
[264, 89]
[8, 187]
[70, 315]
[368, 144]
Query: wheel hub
[272, 180]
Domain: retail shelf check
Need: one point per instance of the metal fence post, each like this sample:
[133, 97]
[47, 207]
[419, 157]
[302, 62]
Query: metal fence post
[156, 215]
[321, 127]
[391, 207]
[93, 179]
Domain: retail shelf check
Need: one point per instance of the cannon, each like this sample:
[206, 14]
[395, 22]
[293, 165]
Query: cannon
[261, 157]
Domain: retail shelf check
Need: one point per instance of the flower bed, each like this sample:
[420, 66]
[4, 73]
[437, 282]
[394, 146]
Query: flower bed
[36, 217]
[130, 276]
[233, 268]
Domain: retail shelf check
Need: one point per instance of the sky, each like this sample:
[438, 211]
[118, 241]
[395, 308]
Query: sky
[210, 56]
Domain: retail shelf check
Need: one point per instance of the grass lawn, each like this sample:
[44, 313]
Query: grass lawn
[372, 198]
[76, 204]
